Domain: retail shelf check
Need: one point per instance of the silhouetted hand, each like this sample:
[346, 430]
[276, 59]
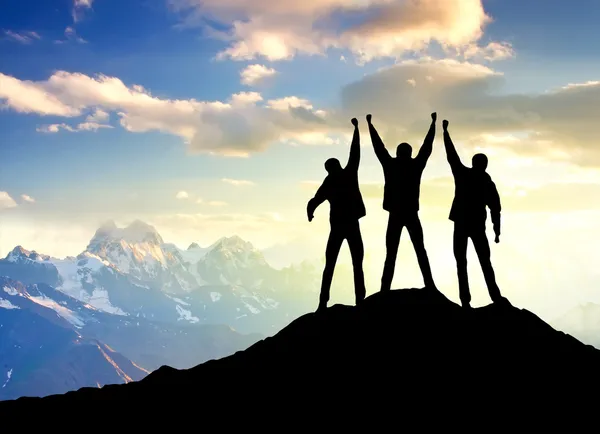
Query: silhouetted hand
[355, 122]
[310, 217]
[445, 124]
[497, 240]
[369, 118]
[434, 116]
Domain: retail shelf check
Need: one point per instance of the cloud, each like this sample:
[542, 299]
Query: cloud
[22, 37]
[558, 124]
[236, 127]
[98, 116]
[71, 35]
[79, 9]
[27, 198]
[6, 201]
[237, 182]
[84, 126]
[370, 29]
[182, 195]
[254, 74]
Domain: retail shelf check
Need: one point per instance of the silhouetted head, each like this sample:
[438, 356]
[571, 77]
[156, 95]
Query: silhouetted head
[333, 166]
[404, 150]
[480, 162]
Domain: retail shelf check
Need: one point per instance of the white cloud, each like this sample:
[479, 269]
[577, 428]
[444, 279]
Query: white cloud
[492, 51]
[182, 195]
[27, 198]
[556, 124]
[98, 116]
[71, 35]
[79, 8]
[238, 126]
[237, 182]
[6, 201]
[254, 74]
[84, 126]
[385, 28]
[22, 37]
[559, 123]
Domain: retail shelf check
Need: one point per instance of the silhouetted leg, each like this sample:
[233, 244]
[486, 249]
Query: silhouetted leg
[460, 241]
[392, 240]
[482, 247]
[334, 243]
[415, 230]
[357, 251]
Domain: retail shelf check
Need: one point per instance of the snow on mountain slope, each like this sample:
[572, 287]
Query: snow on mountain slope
[79, 276]
[139, 251]
[132, 272]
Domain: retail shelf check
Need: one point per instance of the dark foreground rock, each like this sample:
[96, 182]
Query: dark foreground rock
[404, 357]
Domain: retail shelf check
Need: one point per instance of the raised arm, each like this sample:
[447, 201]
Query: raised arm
[427, 147]
[354, 159]
[493, 202]
[317, 200]
[451, 153]
[382, 153]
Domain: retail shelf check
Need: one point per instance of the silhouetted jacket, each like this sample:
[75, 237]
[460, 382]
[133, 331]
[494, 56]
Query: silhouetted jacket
[402, 176]
[474, 190]
[342, 190]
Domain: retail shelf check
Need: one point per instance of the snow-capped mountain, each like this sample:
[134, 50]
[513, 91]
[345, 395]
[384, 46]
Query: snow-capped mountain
[46, 334]
[132, 272]
[139, 251]
[42, 349]
[148, 301]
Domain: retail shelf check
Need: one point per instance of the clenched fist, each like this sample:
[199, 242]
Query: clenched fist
[354, 122]
[434, 116]
[369, 118]
[445, 124]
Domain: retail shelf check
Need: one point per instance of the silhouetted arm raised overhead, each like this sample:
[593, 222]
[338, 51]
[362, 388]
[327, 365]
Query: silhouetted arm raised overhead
[427, 147]
[382, 153]
[317, 200]
[354, 159]
[493, 203]
[451, 153]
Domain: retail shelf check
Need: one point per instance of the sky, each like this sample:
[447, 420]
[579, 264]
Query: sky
[213, 118]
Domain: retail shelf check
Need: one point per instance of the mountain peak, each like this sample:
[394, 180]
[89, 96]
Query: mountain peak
[504, 364]
[139, 231]
[193, 246]
[136, 232]
[234, 242]
[19, 253]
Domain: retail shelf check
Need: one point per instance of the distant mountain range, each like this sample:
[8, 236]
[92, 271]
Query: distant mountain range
[130, 303]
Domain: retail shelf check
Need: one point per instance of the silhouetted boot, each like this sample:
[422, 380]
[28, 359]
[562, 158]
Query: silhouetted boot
[466, 304]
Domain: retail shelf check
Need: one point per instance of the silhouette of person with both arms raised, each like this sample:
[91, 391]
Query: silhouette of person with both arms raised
[401, 199]
[474, 190]
[341, 189]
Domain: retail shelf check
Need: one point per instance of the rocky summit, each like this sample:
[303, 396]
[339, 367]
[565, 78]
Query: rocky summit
[406, 356]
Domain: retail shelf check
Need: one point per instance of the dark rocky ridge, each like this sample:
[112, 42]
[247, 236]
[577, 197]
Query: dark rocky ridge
[404, 357]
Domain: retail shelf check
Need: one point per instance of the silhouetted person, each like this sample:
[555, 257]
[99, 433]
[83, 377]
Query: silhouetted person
[401, 199]
[474, 190]
[341, 189]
